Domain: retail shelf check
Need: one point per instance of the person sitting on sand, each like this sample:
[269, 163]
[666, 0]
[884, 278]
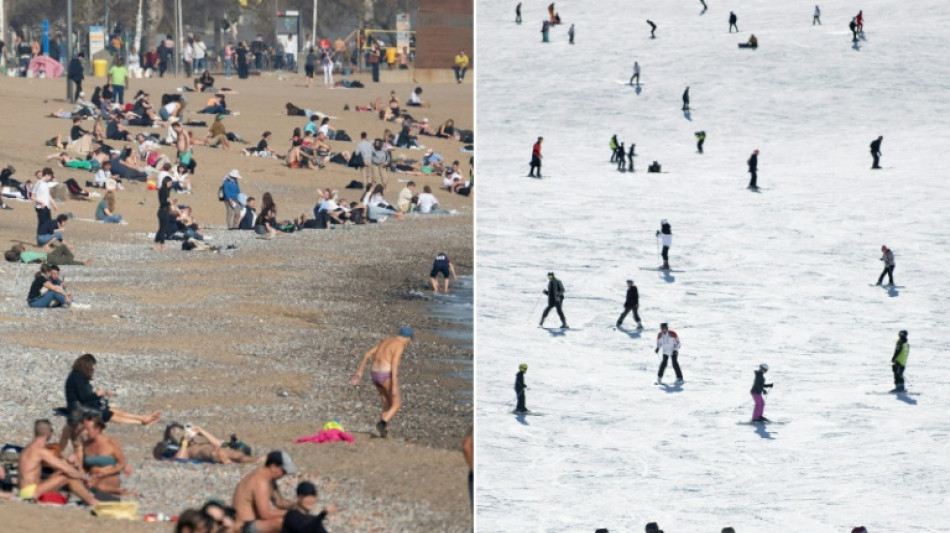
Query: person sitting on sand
[407, 198]
[51, 230]
[115, 131]
[433, 160]
[82, 398]
[257, 500]
[204, 83]
[105, 211]
[377, 205]
[47, 289]
[174, 109]
[414, 99]
[37, 456]
[263, 147]
[428, 204]
[196, 444]
[301, 519]
[102, 458]
[447, 130]
[217, 134]
[217, 105]
[326, 129]
[266, 223]
[386, 356]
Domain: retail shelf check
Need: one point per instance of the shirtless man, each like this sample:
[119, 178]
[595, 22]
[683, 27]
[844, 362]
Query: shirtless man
[35, 456]
[209, 449]
[385, 373]
[443, 265]
[257, 501]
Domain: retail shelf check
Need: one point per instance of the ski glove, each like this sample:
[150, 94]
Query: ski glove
[545, 291]
[657, 350]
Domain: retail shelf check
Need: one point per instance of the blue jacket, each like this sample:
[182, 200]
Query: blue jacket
[231, 189]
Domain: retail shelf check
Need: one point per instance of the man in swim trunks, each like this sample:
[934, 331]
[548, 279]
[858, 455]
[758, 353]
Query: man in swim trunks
[385, 373]
[257, 501]
[444, 265]
[35, 456]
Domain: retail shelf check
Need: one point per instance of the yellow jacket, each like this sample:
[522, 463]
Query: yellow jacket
[461, 60]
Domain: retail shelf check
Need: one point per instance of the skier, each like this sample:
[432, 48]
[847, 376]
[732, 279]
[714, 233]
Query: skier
[536, 159]
[632, 303]
[733, 19]
[555, 292]
[853, 26]
[669, 342]
[888, 259]
[545, 26]
[899, 361]
[520, 387]
[860, 529]
[753, 169]
[621, 158]
[705, 7]
[686, 99]
[876, 152]
[570, 34]
[758, 390]
[652, 527]
[816, 18]
[613, 148]
[518, 13]
[666, 234]
[636, 73]
[859, 21]
[652, 29]
[630, 155]
[444, 265]
[700, 139]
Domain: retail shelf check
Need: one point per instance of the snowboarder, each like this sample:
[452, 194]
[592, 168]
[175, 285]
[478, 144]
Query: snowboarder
[518, 13]
[876, 152]
[520, 387]
[666, 234]
[630, 155]
[754, 169]
[652, 29]
[444, 265]
[632, 303]
[700, 139]
[545, 26]
[758, 390]
[686, 99]
[555, 292]
[636, 73]
[613, 148]
[853, 26]
[888, 259]
[899, 361]
[733, 19]
[621, 158]
[816, 18]
[859, 21]
[570, 34]
[536, 159]
[669, 342]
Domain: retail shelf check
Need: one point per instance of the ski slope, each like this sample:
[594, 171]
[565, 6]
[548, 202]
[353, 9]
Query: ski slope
[781, 276]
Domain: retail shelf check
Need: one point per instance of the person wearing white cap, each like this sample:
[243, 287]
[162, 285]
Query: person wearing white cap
[758, 390]
[253, 515]
[230, 191]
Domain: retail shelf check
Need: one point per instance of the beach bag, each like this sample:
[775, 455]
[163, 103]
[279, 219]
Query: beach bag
[221, 193]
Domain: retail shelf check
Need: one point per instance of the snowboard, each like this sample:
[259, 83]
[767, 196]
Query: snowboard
[889, 393]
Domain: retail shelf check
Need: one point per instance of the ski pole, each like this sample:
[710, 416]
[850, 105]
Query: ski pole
[533, 309]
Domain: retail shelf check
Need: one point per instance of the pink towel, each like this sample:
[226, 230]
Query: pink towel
[326, 435]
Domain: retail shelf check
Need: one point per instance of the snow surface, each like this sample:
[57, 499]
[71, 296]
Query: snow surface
[781, 276]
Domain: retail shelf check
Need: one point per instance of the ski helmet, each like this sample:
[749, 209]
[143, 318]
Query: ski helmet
[663, 325]
[902, 333]
[630, 281]
[523, 367]
[764, 366]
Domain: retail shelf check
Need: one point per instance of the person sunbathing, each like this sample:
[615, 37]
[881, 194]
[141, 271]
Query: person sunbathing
[447, 130]
[197, 444]
[103, 460]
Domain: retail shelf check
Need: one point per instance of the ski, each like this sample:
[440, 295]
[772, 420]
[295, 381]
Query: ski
[527, 413]
[558, 328]
[887, 286]
[657, 269]
[768, 423]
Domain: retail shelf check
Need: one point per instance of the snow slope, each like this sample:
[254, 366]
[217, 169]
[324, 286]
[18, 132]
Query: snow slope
[781, 276]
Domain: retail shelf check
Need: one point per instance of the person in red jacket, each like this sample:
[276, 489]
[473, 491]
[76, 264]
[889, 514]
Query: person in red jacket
[536, 159]
[669, 342]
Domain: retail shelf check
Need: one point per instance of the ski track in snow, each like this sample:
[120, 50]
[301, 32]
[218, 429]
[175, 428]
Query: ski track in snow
[779, 277]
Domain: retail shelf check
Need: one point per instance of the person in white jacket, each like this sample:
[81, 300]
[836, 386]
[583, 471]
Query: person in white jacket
[666, 234]
[669, 342]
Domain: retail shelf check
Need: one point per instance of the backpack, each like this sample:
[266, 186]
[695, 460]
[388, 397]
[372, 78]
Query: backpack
[221, 193]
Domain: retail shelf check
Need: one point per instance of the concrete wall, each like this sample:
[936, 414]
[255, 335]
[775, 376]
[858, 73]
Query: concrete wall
[444, 27]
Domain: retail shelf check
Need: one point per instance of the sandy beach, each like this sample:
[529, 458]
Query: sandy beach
[259, 341]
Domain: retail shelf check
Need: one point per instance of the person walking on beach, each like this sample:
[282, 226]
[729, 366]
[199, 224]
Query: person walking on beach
[899, 360]
[668, 341]
[876, 152]
[536, 159]
[518, 13]
[733, 19]
[520, 387]
[631, 304]
[816, 18]
[753, 163]
[888, 259]
[555, 293]
[652, 29]
[759, 389]
[686, 99]
[636, 73]
[75, 74]
[257, 502]
[666, 235]
[443, 265]
[386, 356]
[232, 205]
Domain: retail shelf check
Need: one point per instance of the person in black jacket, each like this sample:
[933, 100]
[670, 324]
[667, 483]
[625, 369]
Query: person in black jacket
[753, 169]
[75, 74]
[758, 390]
[686, 99]
[652, 29]
[876, 151]
[632, 303]
[733, 19]
[520, 387]
[555, 292]
[164, 212]
[298, 519]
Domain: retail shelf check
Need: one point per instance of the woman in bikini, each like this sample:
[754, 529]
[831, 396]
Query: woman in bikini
[103, 460]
